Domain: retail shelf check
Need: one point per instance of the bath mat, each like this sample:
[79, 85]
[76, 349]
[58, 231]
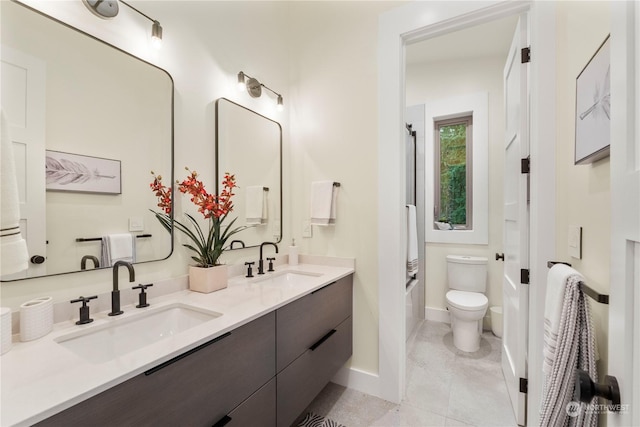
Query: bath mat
[313, 420]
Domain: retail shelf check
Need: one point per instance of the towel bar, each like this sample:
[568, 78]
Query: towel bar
[98, 239]
[597, 296]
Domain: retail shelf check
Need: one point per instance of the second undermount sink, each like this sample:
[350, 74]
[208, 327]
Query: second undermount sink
[289, 278]
[121, 336]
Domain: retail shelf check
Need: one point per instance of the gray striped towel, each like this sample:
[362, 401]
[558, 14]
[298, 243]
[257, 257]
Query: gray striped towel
[569, 343]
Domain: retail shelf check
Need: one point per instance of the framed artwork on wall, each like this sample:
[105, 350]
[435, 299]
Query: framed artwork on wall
[84, 174]
[593, 101]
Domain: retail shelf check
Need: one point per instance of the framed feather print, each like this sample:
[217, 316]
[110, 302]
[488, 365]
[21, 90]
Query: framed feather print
[84, 174]
[593, 104]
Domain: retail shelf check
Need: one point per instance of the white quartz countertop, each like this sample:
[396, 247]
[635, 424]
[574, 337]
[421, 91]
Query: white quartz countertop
[41, 377]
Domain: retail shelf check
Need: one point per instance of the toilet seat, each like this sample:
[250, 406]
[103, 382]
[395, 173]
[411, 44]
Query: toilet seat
[469, 301]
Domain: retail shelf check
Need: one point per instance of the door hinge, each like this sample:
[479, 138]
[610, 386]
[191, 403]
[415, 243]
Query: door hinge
[524, 385]
[525, 55]
[524, 276]
[525, 165]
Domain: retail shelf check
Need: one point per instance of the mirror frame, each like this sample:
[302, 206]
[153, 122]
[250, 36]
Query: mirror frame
[217, 163]
[172, 136]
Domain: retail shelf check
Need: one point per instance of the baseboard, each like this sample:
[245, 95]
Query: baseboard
[357, 379]
[437, 314]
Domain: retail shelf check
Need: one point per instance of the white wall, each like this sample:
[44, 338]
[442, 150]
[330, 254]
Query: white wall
[583, 192]
[334, 136]
[434, 81]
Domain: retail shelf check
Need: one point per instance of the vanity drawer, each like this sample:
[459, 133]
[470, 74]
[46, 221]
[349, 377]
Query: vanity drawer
[300, 382]
[197, 388]
[259, 410]
[303, 322]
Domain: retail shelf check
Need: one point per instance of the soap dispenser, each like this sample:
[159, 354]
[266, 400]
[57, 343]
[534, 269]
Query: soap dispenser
[293, 253]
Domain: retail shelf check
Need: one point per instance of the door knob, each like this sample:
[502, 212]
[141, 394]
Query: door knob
[37, 259]
[499, 257]
[586, 389]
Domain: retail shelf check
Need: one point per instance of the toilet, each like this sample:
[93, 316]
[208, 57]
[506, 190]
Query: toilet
[466, 301]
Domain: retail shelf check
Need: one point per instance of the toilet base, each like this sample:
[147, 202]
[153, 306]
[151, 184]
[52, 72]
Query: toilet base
[466, 334]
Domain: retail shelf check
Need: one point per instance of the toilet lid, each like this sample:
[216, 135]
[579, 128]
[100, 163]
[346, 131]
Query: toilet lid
[464, 300]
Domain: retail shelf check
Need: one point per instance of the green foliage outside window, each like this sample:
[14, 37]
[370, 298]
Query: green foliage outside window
[453, 173]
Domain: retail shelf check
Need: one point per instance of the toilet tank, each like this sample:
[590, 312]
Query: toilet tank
[467, 273]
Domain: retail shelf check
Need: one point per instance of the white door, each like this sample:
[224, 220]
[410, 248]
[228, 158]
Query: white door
[624, 309]
[23, 101]
[515, 299]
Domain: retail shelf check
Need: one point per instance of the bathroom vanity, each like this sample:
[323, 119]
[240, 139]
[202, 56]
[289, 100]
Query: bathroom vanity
[274, 342]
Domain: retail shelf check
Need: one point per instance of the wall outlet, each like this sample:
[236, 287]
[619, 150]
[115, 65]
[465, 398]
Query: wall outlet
[136, 223]
[306, 228]
[575, 241]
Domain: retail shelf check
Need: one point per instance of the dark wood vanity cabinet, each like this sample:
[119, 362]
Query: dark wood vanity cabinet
[314, 339]
[262, 374]
[198, 388]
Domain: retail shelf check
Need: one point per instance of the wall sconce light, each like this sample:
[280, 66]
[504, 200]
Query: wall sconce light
[254, 88]
[107, 9]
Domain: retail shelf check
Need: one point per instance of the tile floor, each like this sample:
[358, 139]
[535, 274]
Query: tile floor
[445, 387]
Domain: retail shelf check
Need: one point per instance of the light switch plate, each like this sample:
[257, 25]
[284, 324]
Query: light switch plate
[136, 223]
[575, 241]
[306, 228]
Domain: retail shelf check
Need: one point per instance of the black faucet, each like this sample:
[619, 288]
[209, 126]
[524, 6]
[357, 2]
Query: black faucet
[115, 294]
[83, 262]
[261, 262]
[236, 241]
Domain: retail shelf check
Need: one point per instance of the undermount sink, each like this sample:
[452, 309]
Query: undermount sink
[289, 278]
[121, 336]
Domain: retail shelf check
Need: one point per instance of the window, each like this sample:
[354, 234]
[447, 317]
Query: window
[457, 160]
[453, 172]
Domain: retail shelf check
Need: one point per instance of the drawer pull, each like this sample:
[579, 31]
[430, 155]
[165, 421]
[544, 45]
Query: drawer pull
[321, 340]
[183, 355]
[324, 287]
[223, 421]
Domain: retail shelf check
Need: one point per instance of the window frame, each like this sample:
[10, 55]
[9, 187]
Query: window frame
[437, 109]
[467, 120]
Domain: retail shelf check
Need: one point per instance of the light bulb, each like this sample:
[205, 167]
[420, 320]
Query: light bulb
[241, 85]
[280, 105]
[156, 35]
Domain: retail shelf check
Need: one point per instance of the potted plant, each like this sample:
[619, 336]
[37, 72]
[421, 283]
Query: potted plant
[208, 274]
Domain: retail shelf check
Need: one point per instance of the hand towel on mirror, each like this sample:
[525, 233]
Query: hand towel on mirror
[256, 205]
[118, 247]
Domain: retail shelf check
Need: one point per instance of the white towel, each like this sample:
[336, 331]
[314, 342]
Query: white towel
[324, 196]
[118, 247]
[256, 205]
[569, 344]
[412, 241]
[13, 248]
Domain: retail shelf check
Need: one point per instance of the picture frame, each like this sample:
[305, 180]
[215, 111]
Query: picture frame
[593, 100]
[82, 174]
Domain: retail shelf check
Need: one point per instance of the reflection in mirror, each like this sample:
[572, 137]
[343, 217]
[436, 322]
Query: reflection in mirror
[249, 145]
[101, 120]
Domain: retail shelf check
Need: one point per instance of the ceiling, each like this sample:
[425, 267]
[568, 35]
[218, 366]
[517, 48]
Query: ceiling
[486, 40]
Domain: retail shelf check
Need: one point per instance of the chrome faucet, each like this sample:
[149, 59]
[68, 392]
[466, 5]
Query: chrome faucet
[83, 262]
[115, 294]
[261, 262]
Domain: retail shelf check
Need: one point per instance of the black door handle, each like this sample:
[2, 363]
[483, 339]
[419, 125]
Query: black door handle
[586, 389]
[37, 259]
[499, 257]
